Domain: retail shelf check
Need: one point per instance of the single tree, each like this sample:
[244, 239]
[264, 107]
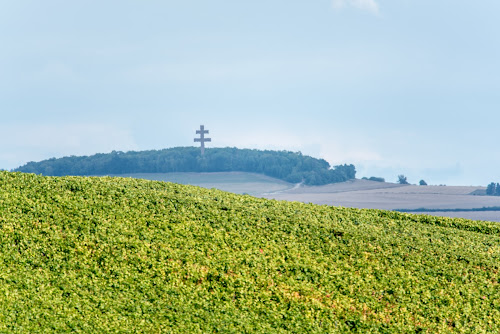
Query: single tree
[402, 179]
[422, 183]
[490, 189]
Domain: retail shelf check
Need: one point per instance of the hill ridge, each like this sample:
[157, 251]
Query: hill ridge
[289, 166]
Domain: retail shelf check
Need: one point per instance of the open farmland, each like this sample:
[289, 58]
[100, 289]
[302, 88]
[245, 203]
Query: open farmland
[389, 196]
[127, 255]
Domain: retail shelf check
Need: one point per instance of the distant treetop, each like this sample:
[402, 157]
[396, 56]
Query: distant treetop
[374, 178]
[288, 166]
[402, 179]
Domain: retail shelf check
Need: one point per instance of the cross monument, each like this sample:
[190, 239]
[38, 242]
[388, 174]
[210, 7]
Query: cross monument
[202, 138]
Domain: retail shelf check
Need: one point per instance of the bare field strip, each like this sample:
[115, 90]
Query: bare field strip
[389, 196]
[391, 200]
[365, 185]
[353, 185]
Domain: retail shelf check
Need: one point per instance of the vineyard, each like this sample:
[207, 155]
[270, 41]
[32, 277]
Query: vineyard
[89, 254]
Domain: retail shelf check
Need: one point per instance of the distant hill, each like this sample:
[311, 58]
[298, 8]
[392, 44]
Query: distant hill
[287, 166]
[107, 255]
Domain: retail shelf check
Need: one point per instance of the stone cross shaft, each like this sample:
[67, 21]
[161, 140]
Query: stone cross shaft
[202, 138]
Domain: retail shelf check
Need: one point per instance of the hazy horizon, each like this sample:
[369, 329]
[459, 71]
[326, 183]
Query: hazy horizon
[393, 87]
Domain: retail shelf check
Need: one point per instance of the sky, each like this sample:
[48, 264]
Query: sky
[392, 86]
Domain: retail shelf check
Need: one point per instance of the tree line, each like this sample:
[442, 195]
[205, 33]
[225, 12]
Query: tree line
[404, 180]
[288, 166]
[401, 180]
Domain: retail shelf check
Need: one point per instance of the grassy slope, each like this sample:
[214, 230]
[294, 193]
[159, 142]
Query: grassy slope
[235, 182]
[107, 255]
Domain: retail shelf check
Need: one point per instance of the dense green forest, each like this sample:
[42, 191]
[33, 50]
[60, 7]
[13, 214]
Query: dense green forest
[123, 255]
[288, 166]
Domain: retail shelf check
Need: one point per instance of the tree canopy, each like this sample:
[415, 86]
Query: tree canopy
[374, 178]
[288, 166]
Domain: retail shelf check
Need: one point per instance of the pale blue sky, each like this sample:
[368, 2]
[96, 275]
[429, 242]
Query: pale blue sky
[392, 86]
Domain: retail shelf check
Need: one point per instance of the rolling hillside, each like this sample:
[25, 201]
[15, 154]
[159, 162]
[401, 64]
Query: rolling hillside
[235, 182]
[353, 193]
[127, 255]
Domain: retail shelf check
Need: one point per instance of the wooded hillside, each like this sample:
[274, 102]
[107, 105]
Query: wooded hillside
[288, 166]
